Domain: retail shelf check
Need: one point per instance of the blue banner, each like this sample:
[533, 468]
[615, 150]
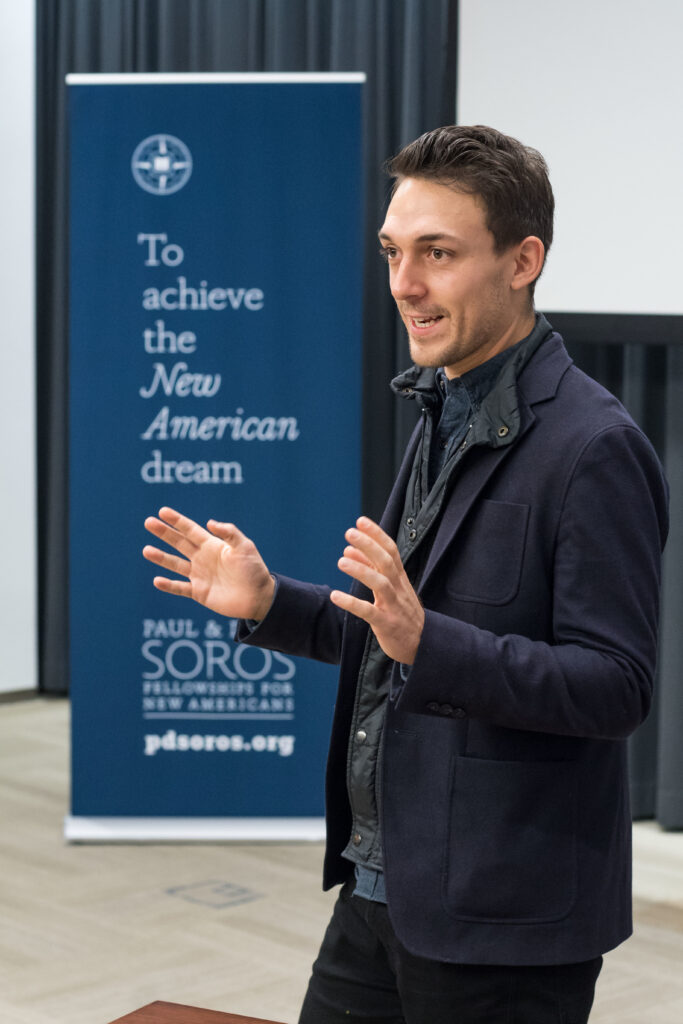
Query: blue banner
[215, 309]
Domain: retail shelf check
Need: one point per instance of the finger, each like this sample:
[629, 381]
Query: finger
[354, 553]
[177, 587]
[371, 529]
[170, 536]
[362, 609]
[227, 532]
[369, 577]
[190, 530]
[374, 553]
[170, 562]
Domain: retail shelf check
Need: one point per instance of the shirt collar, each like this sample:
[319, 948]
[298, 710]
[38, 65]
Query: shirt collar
[477, 382]
[423, 383]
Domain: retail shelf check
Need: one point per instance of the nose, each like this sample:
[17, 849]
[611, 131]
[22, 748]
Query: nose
[406, 281]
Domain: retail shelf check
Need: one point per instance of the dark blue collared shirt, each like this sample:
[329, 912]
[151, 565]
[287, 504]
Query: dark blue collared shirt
[460, 399]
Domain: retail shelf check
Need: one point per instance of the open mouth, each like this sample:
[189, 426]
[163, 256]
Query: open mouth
[424, 322]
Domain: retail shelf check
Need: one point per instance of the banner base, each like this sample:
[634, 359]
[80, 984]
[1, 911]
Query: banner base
[174, 830]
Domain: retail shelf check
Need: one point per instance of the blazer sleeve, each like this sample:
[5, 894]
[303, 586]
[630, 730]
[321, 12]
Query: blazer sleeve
[301, 621]
[594, 676]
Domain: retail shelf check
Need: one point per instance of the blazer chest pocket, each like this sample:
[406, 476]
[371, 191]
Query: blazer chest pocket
[511, 855]
[487, 566]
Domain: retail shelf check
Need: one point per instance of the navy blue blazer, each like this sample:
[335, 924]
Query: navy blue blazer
[504, 798]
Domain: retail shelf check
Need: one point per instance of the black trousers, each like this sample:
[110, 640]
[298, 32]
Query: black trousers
[363, 974]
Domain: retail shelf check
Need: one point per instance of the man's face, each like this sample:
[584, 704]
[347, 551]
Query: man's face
[452, 289]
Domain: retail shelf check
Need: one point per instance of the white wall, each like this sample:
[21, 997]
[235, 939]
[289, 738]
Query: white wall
[18, 661]
[597, 87]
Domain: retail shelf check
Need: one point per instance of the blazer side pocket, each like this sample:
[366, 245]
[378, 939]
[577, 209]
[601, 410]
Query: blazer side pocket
[510, 854]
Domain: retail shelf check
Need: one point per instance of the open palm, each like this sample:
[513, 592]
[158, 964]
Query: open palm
[223, 569]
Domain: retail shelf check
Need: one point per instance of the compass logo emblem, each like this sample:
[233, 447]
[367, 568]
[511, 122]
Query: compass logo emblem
[162, 164]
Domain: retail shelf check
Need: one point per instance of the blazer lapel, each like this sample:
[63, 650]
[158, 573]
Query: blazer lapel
[477, 469]
[394, 509]
[538, 383]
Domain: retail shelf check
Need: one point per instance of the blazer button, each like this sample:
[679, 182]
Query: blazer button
[432, 706]
[459, 712]
[446, 709]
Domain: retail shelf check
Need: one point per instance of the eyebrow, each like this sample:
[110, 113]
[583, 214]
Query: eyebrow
[437, 236]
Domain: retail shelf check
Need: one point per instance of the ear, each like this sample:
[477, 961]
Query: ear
[529, 256]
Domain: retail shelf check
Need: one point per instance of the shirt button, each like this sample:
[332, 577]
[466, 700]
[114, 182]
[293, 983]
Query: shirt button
[412, 535]
[361, 735]
[410, 521]
[503, 431]
[356, 839]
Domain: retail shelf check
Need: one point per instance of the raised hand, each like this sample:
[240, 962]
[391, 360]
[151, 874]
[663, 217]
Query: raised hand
[396, 617]
[224, 570]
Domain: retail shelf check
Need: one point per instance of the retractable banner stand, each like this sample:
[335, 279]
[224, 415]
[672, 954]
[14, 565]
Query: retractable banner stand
[214, 367]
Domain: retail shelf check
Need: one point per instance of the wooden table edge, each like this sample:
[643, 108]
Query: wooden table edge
[160, 1012]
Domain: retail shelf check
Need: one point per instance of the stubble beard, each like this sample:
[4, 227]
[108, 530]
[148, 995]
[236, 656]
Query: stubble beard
[466, 338]
[453, 350]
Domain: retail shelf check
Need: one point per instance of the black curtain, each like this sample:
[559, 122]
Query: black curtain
[648, 378]
[408, 50]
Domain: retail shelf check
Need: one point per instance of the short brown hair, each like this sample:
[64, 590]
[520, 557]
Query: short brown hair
[511, 179]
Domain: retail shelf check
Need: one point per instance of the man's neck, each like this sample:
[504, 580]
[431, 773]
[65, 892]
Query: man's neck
[519, 329]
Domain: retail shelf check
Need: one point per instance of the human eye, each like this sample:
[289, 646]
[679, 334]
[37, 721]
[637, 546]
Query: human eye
[439, 255]
[388, 253]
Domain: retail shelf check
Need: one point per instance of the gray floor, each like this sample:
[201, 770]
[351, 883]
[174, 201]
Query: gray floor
[89, 933]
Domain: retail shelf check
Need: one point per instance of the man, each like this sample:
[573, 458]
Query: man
[498, 642]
